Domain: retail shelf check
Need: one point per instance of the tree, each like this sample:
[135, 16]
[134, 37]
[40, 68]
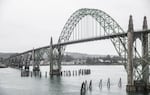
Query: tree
[89, 61]
[68, 58]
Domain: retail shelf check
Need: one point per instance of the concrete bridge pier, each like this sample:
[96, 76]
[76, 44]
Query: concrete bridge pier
[51, 57]
[26, 68]
[145, 65]
[130, 84]
[36, 67]
[141, 84]
[20, 65]
[59, 60]
[54, 59]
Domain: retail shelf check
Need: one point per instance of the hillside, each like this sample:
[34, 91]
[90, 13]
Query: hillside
[72, 54]
[5, 55]
[83, 55]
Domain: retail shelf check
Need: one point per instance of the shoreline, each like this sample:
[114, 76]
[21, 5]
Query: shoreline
[82, 64]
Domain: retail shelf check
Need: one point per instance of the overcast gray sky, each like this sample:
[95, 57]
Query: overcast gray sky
[25, 24]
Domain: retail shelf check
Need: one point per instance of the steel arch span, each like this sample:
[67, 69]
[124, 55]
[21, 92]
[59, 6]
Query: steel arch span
[112, 30]
[109, 25]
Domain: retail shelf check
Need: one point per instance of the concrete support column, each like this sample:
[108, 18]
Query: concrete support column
[51, 57]
[35, 62]
[33, 58]
[145, 66]
[130, 85]
[59, 59]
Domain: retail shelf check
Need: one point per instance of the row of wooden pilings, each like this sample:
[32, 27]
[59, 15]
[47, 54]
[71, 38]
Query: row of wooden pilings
[31, 73]
[65, 73]
[80, 72]
[85, 87]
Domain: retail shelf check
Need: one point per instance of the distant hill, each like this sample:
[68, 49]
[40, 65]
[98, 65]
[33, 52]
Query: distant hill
[83, 55]
[5, 55]
[73, 54]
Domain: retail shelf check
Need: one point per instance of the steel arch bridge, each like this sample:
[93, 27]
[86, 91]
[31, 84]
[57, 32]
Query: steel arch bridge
[77, 29]
[109, 25]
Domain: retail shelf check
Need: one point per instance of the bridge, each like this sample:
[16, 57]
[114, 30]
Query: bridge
[86, 25]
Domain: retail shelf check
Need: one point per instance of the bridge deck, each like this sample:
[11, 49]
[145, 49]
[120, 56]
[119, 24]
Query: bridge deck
[87, 40]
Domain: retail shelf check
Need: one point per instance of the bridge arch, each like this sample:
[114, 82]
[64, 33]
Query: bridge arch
[105, 21]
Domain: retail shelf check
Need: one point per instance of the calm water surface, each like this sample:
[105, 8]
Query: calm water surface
[11, 83]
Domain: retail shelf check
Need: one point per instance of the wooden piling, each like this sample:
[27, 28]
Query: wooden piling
[108, 83]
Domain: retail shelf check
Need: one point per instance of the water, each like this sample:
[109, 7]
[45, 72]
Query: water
[11, 83]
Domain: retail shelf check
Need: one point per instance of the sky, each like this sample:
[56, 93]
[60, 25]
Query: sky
[28, 24]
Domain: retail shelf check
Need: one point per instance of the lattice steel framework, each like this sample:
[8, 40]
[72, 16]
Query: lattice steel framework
[109, 25]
